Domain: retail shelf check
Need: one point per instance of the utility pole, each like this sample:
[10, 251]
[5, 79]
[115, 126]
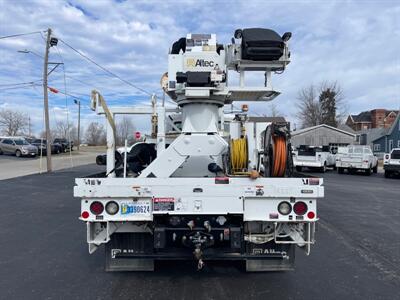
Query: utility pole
[79, 121]
[46, 102]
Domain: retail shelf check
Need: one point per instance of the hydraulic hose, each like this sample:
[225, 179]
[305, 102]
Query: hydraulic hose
[279, 156]
[239, 155]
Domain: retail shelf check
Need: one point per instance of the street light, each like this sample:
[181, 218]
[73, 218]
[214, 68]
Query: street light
[78, 102]
[26, 51]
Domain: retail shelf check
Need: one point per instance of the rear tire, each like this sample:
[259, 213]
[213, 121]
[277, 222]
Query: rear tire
[299, 168]
[368, 171]
[18, 153]
[340, 170]
[375, 169]
[387, 174]
[323, 169]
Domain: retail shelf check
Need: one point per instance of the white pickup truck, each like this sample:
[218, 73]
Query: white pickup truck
[313, 157]
[391, 162]
[357, 158]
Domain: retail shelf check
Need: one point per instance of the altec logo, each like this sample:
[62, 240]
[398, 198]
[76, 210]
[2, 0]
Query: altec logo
[192, 63]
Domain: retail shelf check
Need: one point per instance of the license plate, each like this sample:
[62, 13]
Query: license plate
[141, 207]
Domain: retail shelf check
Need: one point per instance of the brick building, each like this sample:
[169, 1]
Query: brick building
[376, 118]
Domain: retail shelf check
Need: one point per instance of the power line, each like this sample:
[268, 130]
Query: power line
[20, 83]
[19, 34]
[104, 69]
[17, 87]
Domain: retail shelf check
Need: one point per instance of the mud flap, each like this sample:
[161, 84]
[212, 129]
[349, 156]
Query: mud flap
[121, 250]
[280, 258]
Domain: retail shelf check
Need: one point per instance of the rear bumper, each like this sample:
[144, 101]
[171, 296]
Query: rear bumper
[312, 164]
[349, 165]
[392, 168]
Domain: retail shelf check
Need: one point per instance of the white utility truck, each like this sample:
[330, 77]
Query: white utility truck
[391, 162]
[208, 189]
[313, 158]
[357, 157]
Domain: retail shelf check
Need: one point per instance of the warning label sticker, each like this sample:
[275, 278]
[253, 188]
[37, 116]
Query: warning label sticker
[163, 204]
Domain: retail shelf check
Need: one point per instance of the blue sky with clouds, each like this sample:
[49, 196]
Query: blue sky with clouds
[356, 43]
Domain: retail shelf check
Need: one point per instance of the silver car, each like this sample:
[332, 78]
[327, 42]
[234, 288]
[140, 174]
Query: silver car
[19, 147]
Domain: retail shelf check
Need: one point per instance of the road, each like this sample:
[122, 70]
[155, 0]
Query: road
[43, 253]
[12, 166]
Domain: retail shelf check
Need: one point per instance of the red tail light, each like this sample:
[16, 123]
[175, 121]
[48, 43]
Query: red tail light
[85, 214]
[96, 208]
[300, 208]
[311, 215]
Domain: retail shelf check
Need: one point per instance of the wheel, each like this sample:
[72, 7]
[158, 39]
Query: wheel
[387, 174]
[368, 171]
[340, 170]
[375, 169]
[18, 153]
[299, 168]
[352, 171]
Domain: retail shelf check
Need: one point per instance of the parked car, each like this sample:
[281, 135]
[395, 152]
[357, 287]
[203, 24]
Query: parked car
[357, 158]
[313, 157]
[65, 144]
[391, 162]
[42, 146]
[17, 146]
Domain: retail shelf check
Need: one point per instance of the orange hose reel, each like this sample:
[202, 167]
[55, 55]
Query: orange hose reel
[280, 156]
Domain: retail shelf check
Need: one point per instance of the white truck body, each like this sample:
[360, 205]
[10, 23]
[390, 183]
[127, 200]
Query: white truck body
[313, 157]
[391, 162]
[203, 187]
[358, 157]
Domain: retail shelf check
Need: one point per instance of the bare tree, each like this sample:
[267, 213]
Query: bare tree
[274, 111]
[95, 134]
[125, 128]
[74, 134]
[63, 129]
[308, 110]
[12, 122]
[322, 104]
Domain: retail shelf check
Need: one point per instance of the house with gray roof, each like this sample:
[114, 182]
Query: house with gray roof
[388, 140]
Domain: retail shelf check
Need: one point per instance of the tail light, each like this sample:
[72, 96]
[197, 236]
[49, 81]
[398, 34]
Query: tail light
[300, 208]
[112, 207]
[284, 208]
[96, 208]
[311, 215]
[365, 161]
[387, 156]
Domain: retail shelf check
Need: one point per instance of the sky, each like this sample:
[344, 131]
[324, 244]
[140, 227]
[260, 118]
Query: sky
[356, 43]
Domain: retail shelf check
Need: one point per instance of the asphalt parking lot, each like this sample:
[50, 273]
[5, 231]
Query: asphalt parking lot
[12, 166]
[44, 252]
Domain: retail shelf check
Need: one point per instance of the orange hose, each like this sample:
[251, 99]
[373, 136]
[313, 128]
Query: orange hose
[280, 156]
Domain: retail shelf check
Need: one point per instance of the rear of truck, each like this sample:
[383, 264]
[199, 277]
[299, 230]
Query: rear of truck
[257, 221]
[215, 187]
[391, 162]
[313, 158]
[357, 158]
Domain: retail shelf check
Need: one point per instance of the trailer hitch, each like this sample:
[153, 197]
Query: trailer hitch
[199, 240]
